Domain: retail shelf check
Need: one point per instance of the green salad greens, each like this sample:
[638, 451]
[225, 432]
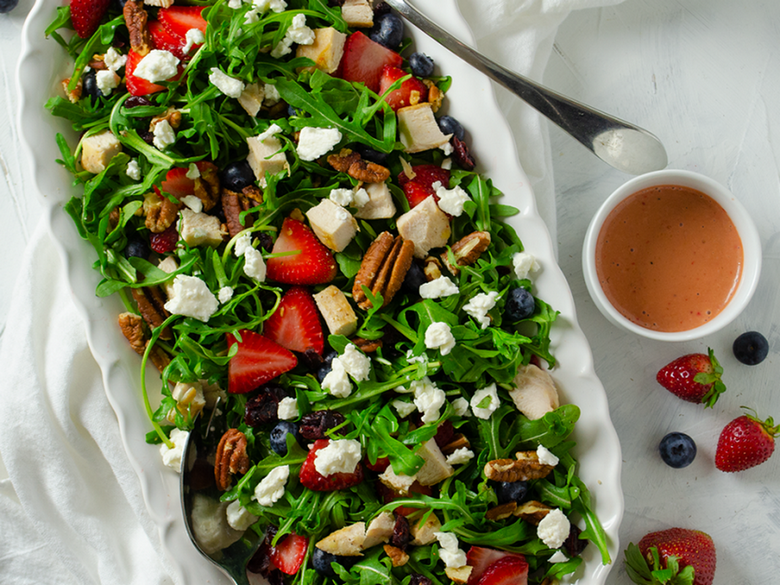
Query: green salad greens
[217, 198]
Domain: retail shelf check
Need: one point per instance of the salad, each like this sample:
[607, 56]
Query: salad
[307, 255]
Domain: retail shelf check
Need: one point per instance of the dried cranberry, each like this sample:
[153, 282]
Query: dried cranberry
[266, 241]
[261, 409]
[444, 434]
[136, 101]
[146, 136]
[314, 425]
[164, 241]
[261, 560]
[401, 536]
[461, 154]
[418, 579]
[311, 359]
[573, 543]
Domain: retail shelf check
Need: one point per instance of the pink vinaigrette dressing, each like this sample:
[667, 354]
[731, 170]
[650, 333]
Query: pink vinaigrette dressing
[669, 258]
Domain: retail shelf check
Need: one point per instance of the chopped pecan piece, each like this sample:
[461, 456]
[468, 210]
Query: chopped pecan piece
[435, 95]
[367, 345]
[74, 95]
[432, 268]
[532, 511]
[171, 115]
[253, 192]
[132, 327]
[232, 205]
[136, 19]
[352, 163]
[397, 556]
[207, 187]
[97, 63]
[501, 512]
[113, 218]
[383, 269]
[343, 160]
[458, 442]
[525, 467]
[151, 305]
[160, 212]
[231, 458]
[467, 250]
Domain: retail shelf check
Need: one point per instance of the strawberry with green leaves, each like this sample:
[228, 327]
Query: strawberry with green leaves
[677, 556]
[745, 442]
[694, 377]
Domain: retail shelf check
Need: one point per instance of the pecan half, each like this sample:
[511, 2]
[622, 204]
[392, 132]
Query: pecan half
[232, 205]
[151, 305]
[74, 95]
[532, 511]
[383, 269]
[501, 512]
[132, 327]
[231, 458]
[467, 250]
[398, 557]
[160, 212]
[135, 19]
[352, 163]
[525, 467]
[367, 345]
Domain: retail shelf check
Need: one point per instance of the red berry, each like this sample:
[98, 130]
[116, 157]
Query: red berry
[479, 558]
[744, 443]
[164, 241]
[411, 92]
[295, 324]
[179, 19]
[694, 377]
[364, 60]
[289, 553]
[509, 570]
[86, 15]
[257, 361]
[165, 40]
[314, 264]
[420, 187]
[674, 549]
[136, 85]
[312, 479]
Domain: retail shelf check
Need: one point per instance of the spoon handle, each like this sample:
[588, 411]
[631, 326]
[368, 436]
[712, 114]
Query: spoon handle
[620, 144]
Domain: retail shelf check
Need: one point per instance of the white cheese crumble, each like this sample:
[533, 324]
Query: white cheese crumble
[297, 32]
[479, 306]
[235, 4]
[225, 294]
[416, 359]
[438, 288]
[340, 456]
[287, 409]
[238, 517]
[545, 456]
[341, 197]
[489, 396]
[460, 456]
[114, 60]
[439, 336]
[230, 86]
[171, 457]
[271, 95]
[107, 81]
[355, 362]
[271, 487]
[451, 200]
[558, 557]
[193, 172]
[192, 298]
[360, 198]
[157, 66]
[449, 552]
[193, 202]
[337, 382]
[275, 5]
[461, 406]
[447, 148]
[193, 37]
[524, 263]
[554, 528]
[446, 164]
[133, 170]
[254, 265]
[164, 136]
[315, 142]
[428, 399]
[404, 408]
[242, 244]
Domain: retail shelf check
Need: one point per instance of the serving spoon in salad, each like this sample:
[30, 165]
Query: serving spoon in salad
[620, 144]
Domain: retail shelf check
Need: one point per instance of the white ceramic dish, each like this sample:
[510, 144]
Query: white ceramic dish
[598, 449]
[751, 245]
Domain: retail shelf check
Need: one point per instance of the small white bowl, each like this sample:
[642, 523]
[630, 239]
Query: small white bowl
[751, 246]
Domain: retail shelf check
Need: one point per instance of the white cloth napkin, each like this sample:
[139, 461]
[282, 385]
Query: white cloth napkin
[72, 510]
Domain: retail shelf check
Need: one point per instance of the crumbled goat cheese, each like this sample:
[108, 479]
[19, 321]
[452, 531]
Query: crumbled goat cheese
[337, 382]
[272, 130]
[416, 359]
[225, 294]
[449, 552]
[193, 202]
[192, 298]
[341, 197]
[157, 66]
[355, 362]
[107, 81]
[133, 170]
[438, 288]
[545, 456]
[558, 557]
[447, 148]
[193, 37]
[439, 336]
[271, 487]
[554, 528]
[193, 172]
[340, 456]
[114, 60]
[524, 263]
[271, 95]
[172, 456]
[315, 142]
[428, 399]
[479, 306]
[298, 32]
[451, 200]
[275, 5]
[164, 135]
[461, 406]
[230, 86]
[488, 395]
[235, 4]
[460, 456]
[287, 409]
[242, 244]
[238, 517]
[446, 164]
[360, 198]
[254, 265]
[404, 408]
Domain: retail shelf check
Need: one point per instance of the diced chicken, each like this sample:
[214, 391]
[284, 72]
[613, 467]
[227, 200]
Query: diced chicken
[436, 468]
[98, 150]
[201, 229]
[426, 225]
[347, 541]
[159, 3]
[397, 481]
[339, 315]
[379, 530]
[189, 400]
[380, 202]
[534, 394]
[425, 532]
[251, 99]
[418, 128]
[210, 525]
[264, 157]
[358, 13]
[326, 50]
[333, 225]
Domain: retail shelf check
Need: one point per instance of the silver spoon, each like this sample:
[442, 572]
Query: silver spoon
[232, 560]
[620, 144]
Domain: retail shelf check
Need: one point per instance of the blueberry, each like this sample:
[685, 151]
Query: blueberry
[388, 30]
[7, 5]
[677, 450]
[278, 436]
[511, 491]
[237, 175]
[449, 125]
[138, 248]
[421, 64]
[90, 87]
[414, 279]
[370, 154]
[321, 561]
[519, 305]
[293, 112]
[326, 366]
[751, 348]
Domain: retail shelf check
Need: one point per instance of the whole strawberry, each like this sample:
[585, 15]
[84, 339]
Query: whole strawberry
[694, 377]
[677, 556]
[745, 442]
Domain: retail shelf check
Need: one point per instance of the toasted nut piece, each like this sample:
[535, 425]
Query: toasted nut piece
[132, 327]
[435, 97]
[459, 441]
[525, 467]
[207, 187]
[347, 541]
[432, 268]
[532, 511]
[383, 269]
[171, 115]
[151, 305]
[232, 205]
[113, 218]
[75, 95]
[352, 163]
[459, 575]
[343, 160]
[135, 19]
[501, 512]
[231, 458]
[367, 345]
[397, 556]
[467, 251]
[160, 212]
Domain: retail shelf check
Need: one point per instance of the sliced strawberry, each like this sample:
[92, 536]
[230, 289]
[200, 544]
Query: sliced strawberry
[416, 194]
[313, 265]
[511, 570]
[289, 553]
[295, 324]
[421, 186]
[86, 15]
[136, 85]
[312, 479]
[179, 19]
[388, 495]
[480, 558]
[412, 91]
[166, 40]
[257, 361]
[164, 241]
[364, 60]
[178, 184]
